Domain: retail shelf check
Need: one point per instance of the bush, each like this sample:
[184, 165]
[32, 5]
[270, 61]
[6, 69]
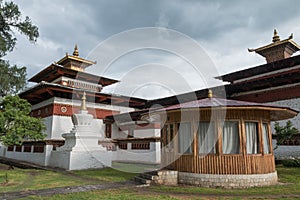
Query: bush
[291, 163]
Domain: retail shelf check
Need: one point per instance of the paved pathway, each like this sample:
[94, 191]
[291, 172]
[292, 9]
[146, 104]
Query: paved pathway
[65, 190]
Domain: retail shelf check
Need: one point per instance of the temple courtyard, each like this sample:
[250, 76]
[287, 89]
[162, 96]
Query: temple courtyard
[109, 183]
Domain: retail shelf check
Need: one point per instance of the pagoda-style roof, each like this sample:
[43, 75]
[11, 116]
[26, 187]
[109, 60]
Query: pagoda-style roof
[261, 69]
[82, 62]
[276, 112]
[43, 91]
[75, 62]
[55, 71]
[278, 49]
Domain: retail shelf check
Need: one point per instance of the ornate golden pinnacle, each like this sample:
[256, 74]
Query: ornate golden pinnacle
[210, 94]
[275, 37]
[76, 53]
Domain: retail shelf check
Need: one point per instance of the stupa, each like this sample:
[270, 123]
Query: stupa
[81, 149]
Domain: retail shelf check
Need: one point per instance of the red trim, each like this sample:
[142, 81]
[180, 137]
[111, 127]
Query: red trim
[69, 110]
[271, 95]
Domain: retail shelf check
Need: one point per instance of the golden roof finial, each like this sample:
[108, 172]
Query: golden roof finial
[210, 94]
[83, 103]
[275, 37]
[76, 53]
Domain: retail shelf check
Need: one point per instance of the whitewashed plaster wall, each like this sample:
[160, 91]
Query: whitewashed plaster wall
[151, 156]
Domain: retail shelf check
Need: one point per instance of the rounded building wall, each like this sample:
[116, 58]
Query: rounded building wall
[247, 150]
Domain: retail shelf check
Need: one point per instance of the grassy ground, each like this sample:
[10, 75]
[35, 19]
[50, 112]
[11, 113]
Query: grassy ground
[19, 179]
[32, 179]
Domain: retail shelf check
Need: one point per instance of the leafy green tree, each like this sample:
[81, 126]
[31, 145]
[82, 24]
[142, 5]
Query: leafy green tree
[284, 133]
[10, 17]
[16, 125]
[13, 79]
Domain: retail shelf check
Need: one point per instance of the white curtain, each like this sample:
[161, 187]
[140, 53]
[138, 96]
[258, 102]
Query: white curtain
[252, 141]
[185, 138]
[265, 134]
[206, 137]
[230, 138]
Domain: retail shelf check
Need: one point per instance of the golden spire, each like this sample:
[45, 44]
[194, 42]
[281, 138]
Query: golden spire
[210, 94]
[76, 53]
[275, 37]
[83, 103]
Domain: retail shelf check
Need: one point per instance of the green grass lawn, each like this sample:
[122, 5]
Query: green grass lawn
[27, 179]
[115, 194]
[33, 179]
[289, 183]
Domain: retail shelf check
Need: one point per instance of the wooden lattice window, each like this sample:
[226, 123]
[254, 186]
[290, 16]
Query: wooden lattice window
[108, 130]
[122, 145]
[27, 148]
[18, 148]
[10, 148]
[140, 145]
[38, 148]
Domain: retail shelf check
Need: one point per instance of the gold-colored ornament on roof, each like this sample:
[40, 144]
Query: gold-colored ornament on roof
[76, 53]
[210, 94]
[276, 36]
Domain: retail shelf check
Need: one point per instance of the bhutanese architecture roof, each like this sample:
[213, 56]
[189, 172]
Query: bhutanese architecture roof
[55, 71]
[276, 112]
[261, 69]
[278, 49]
[44, 90]
[75, 62]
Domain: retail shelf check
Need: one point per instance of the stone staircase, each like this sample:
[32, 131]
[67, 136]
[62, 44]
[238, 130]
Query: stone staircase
[161, 177]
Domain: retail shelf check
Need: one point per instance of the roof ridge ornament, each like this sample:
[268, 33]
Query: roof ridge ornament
[76, 53]
[276, 36]
[210, 93]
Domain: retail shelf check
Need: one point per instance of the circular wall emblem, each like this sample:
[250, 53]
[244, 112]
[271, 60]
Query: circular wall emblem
[64, 109]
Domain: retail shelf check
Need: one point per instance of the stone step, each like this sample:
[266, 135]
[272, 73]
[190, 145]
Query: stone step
[142, 180]
[152, 173]
[148, 176]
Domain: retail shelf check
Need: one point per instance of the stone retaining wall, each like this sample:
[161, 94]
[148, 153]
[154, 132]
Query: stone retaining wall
[227, 181]
[166, 177]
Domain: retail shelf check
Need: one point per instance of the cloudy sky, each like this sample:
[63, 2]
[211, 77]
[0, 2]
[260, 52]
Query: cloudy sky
[168, 63]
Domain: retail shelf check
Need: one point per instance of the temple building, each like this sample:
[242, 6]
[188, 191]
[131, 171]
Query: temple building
[57, 96]
[189, 136]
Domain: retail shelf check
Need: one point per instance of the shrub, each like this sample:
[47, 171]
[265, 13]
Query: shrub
[291, 163]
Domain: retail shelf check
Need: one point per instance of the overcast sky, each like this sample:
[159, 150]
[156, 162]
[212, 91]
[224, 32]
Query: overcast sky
[224, 30]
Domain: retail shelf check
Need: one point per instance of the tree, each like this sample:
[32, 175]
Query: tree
[10, 17]
[13, 79]
[16, 125]
[284, 133]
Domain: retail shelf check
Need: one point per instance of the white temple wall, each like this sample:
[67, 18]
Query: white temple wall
[144, 133]
[60, 125]
[151, 156]
[32, 157]
[56, 125]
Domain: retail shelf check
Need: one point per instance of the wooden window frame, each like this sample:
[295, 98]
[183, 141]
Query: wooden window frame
[239, 134]
[177, 125]
[108, 130]
[259, 134]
